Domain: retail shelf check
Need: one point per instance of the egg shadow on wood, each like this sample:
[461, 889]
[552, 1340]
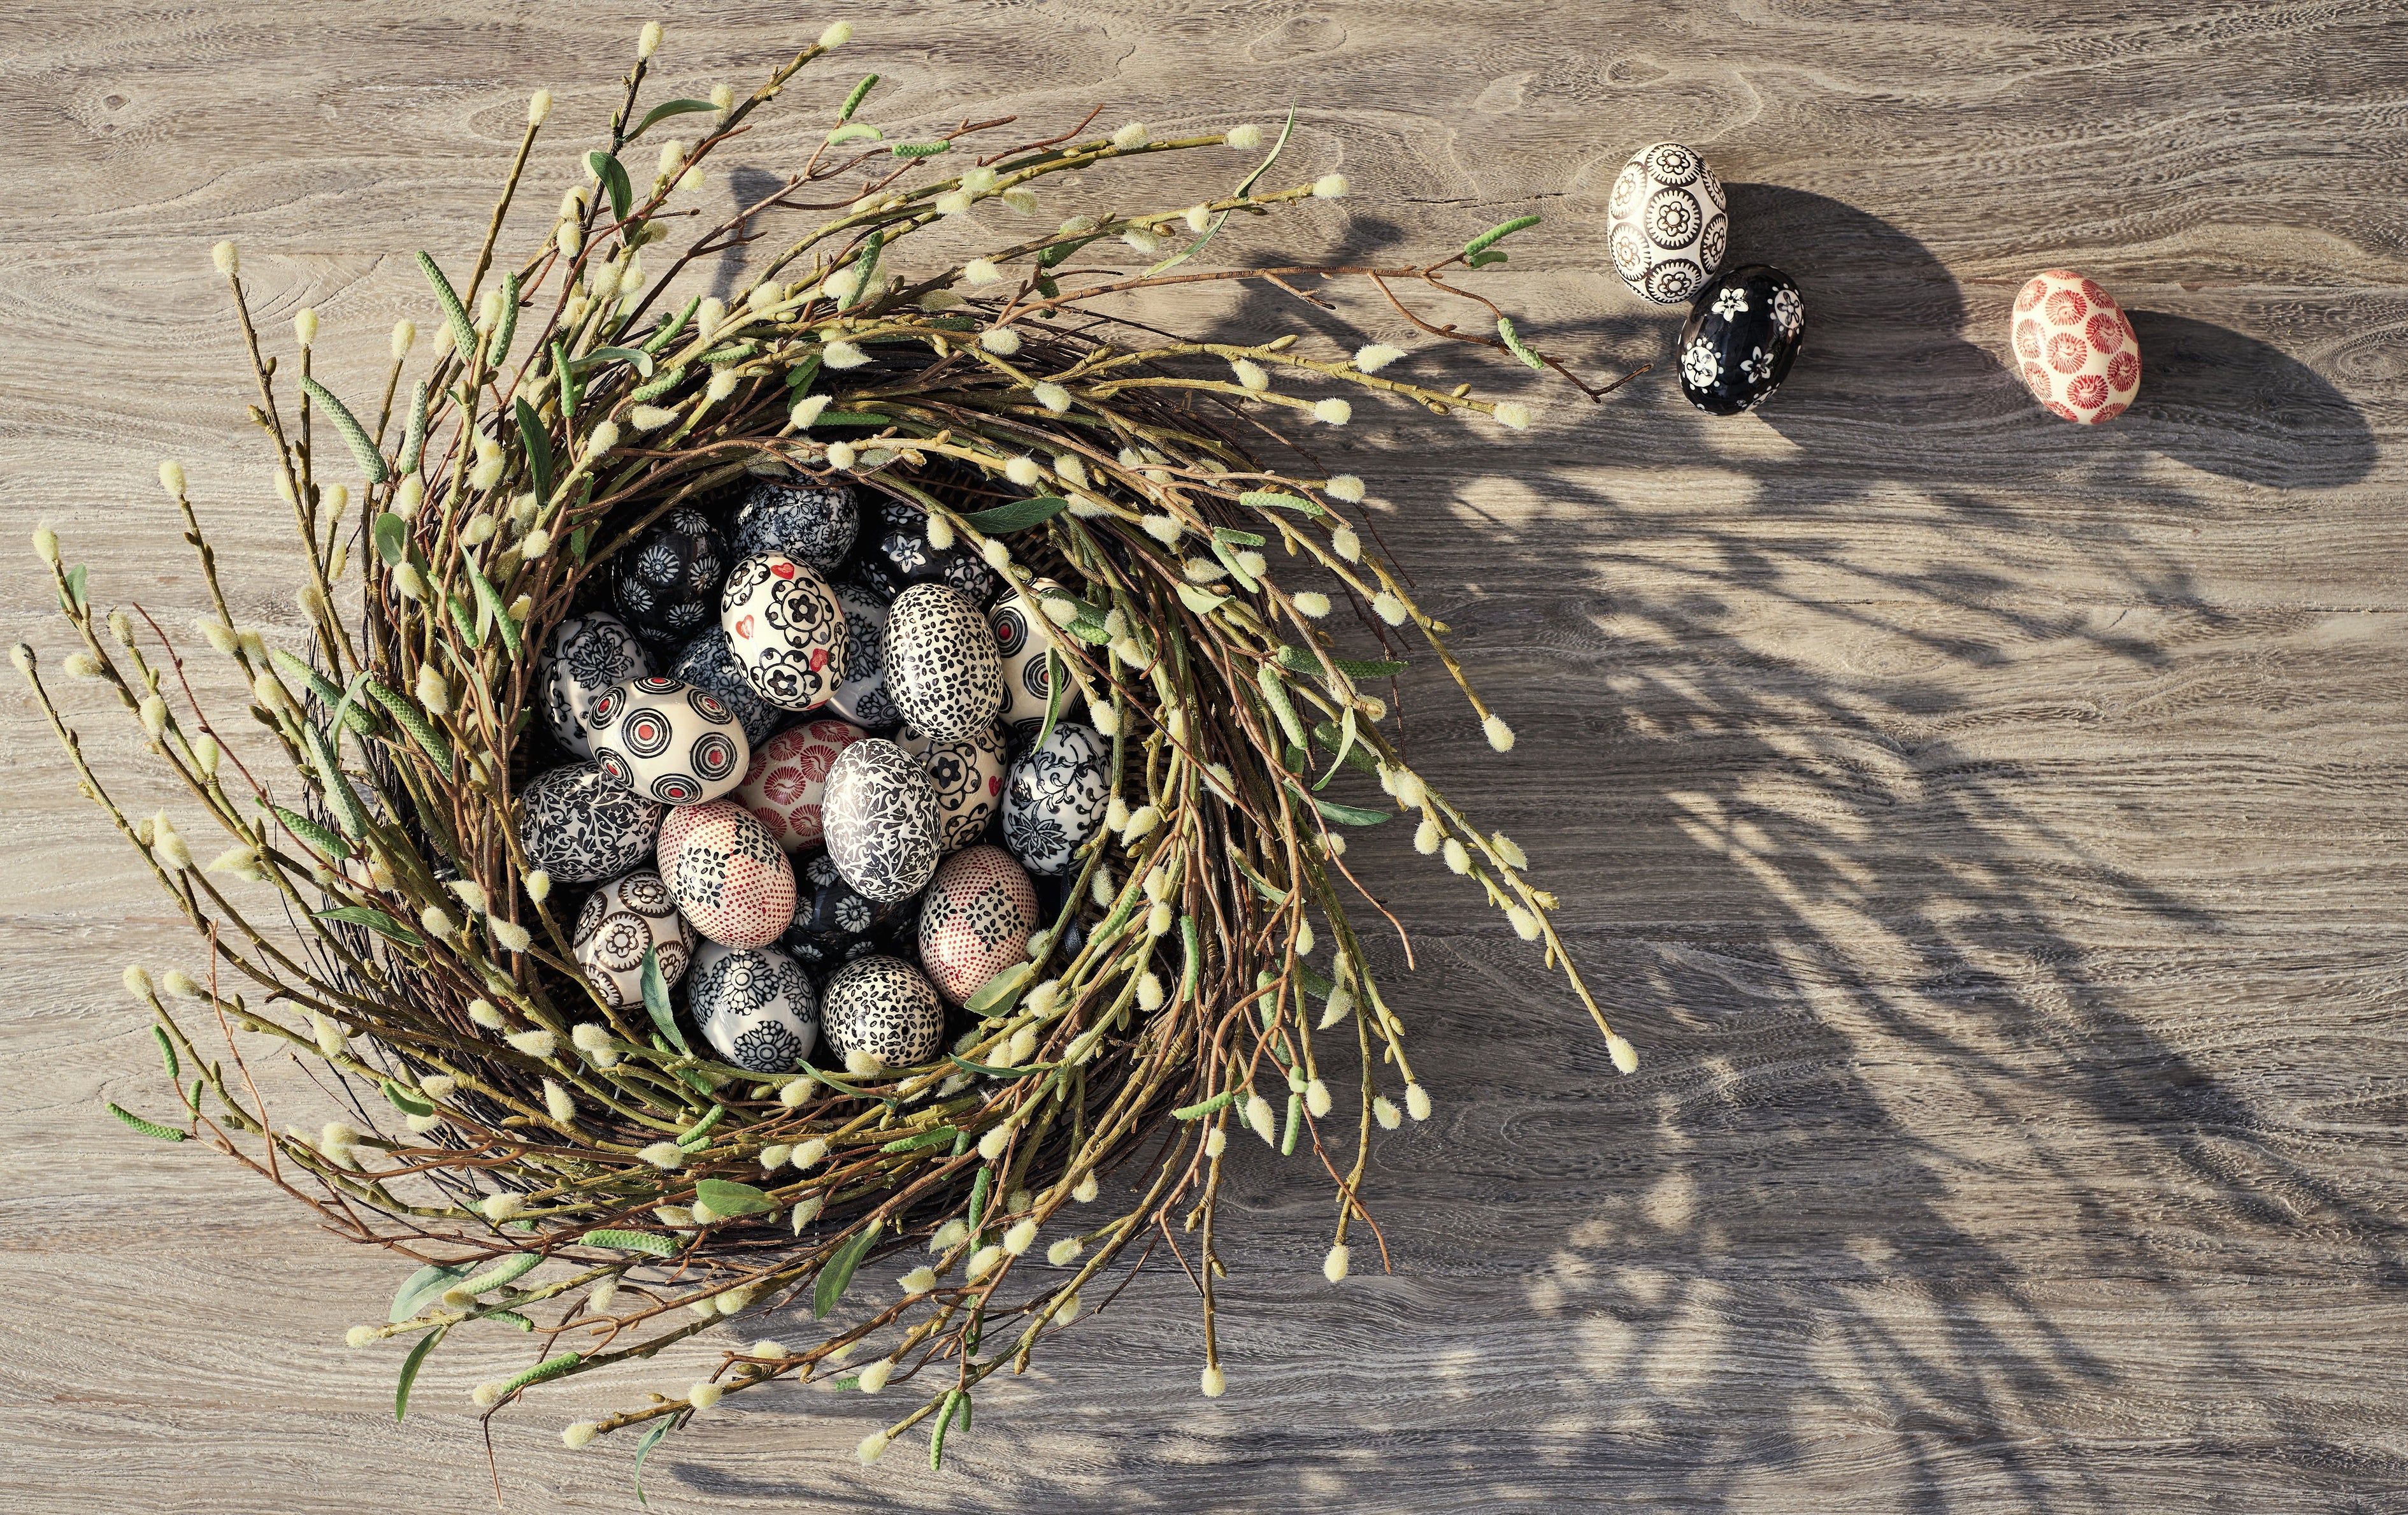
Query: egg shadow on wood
[2236, 406]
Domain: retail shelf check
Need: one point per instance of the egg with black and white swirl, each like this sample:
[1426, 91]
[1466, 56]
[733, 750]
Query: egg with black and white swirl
[879, 814]
[579, 825]
[798, 517]
[1055, 798]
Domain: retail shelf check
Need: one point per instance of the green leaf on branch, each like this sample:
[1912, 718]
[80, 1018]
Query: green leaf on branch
[538, 449]
[1243, 186]
[656, 1002]
[1262, 885]
[728, 1197]
[613, 175]
[1350, 815]
[1331, 740]
[636, 358]
[1057, 678]
[392, 539]
[409, 1102]
[428, 1282]
[664, 110]
[838, 1274]
[409, 1367]
[1017, 515]
[488, 602]
[375, 919]
[984, 1070]
[650, 1440]
[999, 991]
[77, 577]
[1498, 233]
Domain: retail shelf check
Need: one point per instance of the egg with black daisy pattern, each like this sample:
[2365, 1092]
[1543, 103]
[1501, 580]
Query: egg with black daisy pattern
[883, 1009]
[619, 923]
[754, 1005]
[785, 630]
[665, 584]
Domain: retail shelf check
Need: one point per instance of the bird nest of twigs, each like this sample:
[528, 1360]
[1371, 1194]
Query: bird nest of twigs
[571, 1161]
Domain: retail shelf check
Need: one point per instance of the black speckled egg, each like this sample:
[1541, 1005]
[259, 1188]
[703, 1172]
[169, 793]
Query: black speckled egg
[943, 669]
[896, 554]
[883, 1008]
[1739, 340]
[813, 524]
[665, 582]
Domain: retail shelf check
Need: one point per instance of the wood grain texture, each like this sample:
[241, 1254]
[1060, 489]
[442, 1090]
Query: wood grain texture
[1990, 830]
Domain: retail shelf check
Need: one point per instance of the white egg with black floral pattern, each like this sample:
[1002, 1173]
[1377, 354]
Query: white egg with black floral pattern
[1667, 223]
[942, 668]
[884, 1009]
[785, 629]
[583, 656]
[619, 923]
[754, 1005]
[1029, 670]
[878, 816]
[967, 774]
[1054, 801]
[669, 741]
[861, 698]
[579, 826]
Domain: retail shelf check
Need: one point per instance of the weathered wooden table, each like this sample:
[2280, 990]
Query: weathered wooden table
[1989, 829]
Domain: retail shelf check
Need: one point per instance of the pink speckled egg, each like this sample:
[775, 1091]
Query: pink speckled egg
[978, 912]
[733, 881]
[788, 779]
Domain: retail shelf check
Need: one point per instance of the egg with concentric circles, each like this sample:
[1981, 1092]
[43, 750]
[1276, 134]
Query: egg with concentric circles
[1029, 670]
[1055, 799]
[732, 881]
[1667, 223]
[579, 826]
[668, 741]
[583, 656]
[968, 773]
[708, 663]
[2075, 348]
[1740, 338]
[880, 817]
[618, 924]
[665, 584]
[881, 1009]
[975, 920]
[754, 1005]
[796, 518]
[785, 630]
[788, 779]
[943, 670]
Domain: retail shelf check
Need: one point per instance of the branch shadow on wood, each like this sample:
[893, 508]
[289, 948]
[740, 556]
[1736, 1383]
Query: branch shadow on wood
[1751, 763]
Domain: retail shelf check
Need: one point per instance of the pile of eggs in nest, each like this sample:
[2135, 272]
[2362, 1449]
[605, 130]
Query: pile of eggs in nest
[1667, 227]
[800, 768]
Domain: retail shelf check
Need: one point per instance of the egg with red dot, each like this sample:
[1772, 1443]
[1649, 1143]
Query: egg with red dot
[2074, 348]
[976, 920]
[733, 881]
[668, 741]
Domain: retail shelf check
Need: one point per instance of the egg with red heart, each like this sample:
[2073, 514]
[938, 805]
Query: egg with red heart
[785, 630]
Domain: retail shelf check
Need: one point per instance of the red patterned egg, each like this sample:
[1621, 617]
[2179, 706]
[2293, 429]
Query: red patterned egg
[668, 741]
[733, 881]
[680, 820]
[2075, 349]
[788, 778]
[976, 920]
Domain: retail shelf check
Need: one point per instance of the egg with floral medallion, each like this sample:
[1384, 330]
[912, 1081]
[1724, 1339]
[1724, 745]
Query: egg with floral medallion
[882, 1010]
[835, 923]
[895, 553]
[880, 817]
[785, 629]
[580, 826]
[861, 698]
[943, 669]
[583, 656]
[619, 923]
[668, 741]
[975, 920]
[733, 881]
[754, 1005]
[680, 820]
[1028, 669]
[788, 779]
[1667, 223]
[798, 517]
[1740, 338]
[708, 663]
[665, 584]
[2075, 348]
[967, 774]
[1055, 798]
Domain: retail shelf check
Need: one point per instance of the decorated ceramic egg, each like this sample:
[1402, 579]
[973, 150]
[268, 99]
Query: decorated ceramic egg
[879, 816]
[1027, 672]
[968, 773]
[942, 668]
[1666, 223]
[896, 554]
[1739, 340]
[579, 827]
[2075, 348]
[1054, 801]
[882, 1008]
[681, 819]
[620, 921]
[732, 881]
[668, 741]
[786, 630]
[975, 920]
[861, 698]
[794, 517]
[708, 663]
[783, 786]
[835, 923]
[665, 582]
[756, 1007]
[583, 656]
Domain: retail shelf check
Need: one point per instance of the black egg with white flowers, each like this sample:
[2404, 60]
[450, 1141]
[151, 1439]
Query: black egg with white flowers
[835, 923]
[943, 670]
[810, 523]
[665, 584]
[1742, 335]
[583, 656]
[861, 698]
[708, 663]
[896, 554]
